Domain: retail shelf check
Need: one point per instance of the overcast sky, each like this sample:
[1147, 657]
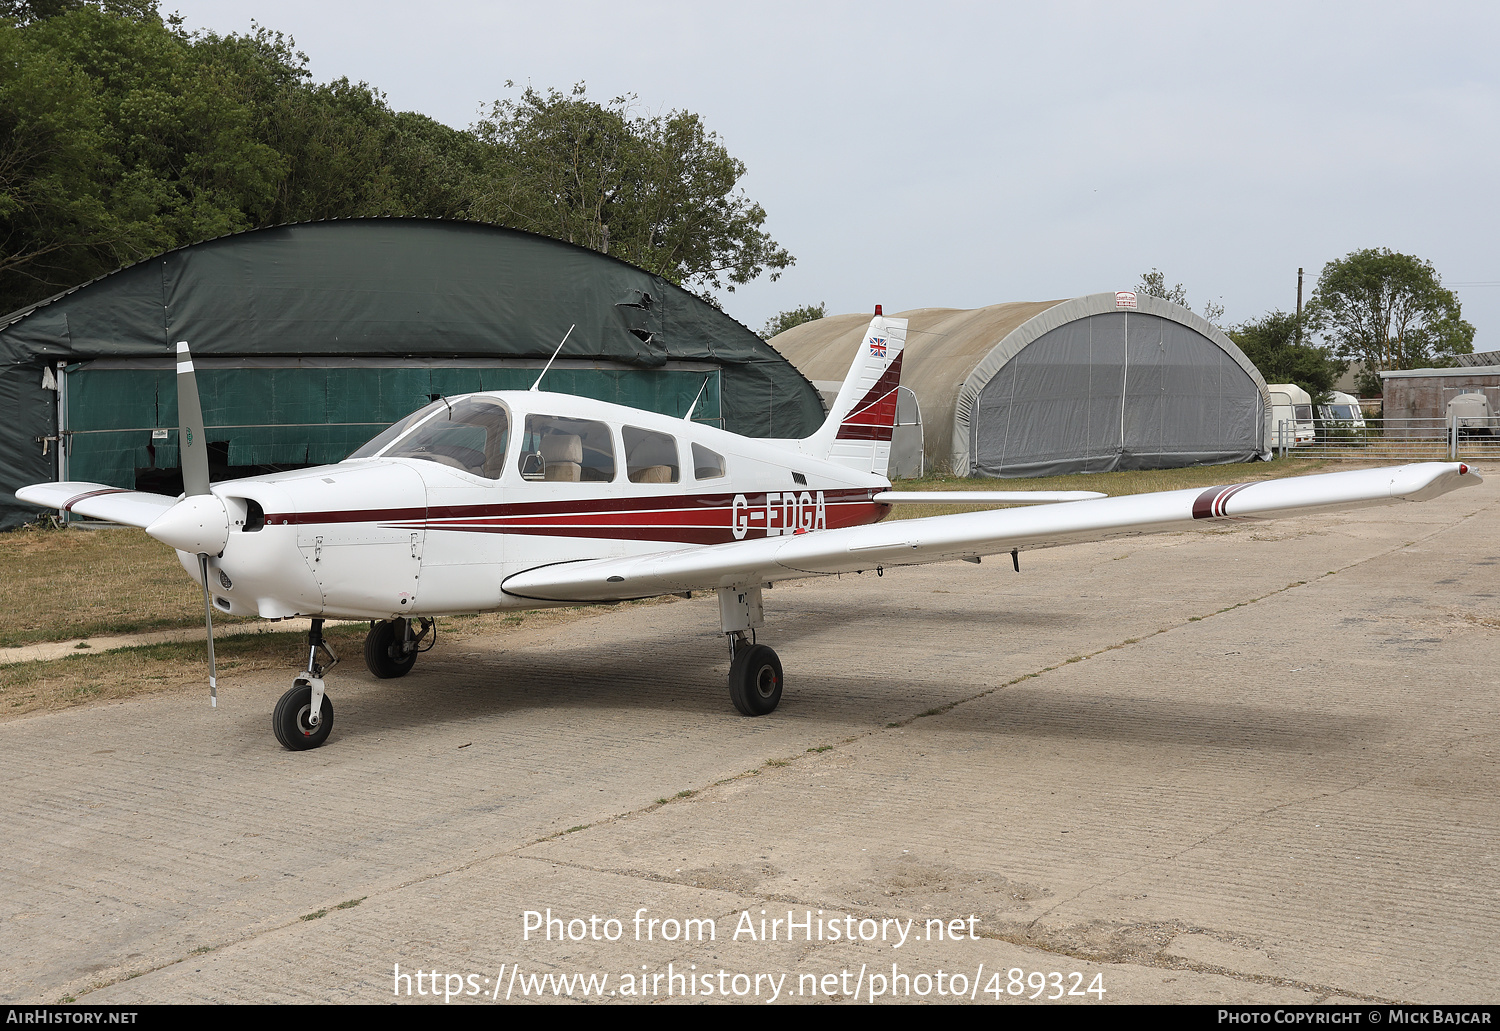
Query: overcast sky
[958, 155]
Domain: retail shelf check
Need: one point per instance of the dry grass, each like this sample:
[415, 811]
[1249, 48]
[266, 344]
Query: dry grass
[61, 584]
[86, 678]
[90, 677]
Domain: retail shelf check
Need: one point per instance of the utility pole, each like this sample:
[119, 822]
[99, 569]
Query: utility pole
[1299, 306]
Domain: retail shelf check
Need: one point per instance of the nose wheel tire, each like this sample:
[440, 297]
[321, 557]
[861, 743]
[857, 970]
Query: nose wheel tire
[755, 680]
[383, 650]
[292, 721]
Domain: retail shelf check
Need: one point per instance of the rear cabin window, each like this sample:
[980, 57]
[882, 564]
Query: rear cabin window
[649, 457]
[1302, 413]
[706, 464]
[469, 434]
[561, 450]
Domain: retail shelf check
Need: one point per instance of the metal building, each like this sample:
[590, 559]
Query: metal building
[310, 338]
[1097, 383]
[1415, 401]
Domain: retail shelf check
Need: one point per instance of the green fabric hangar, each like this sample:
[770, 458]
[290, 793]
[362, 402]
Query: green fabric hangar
[309, 338]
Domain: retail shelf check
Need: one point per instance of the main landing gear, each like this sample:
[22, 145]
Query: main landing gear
[303, 717]
[391, 648]
[755, 678]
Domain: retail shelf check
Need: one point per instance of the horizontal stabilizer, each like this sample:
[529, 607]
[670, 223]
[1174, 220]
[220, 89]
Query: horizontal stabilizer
[972, 534]
[99, 501]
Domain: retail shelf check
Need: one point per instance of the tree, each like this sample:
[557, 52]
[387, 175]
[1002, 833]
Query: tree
[693, 228]
[1154, 284]
[1270, 342]
[120, 141]
[1390, 311]
[50, 188]
[658, 192]
[122, 135]
[560, 165]
[787, 319]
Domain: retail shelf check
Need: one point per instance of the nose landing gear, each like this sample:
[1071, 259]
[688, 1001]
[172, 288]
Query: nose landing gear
[303, 718]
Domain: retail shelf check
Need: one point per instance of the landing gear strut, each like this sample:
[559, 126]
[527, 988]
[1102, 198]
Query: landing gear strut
[391, 647]
[303, 717]
[755, 677]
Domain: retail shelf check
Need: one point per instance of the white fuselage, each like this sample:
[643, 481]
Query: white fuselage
[437, 530]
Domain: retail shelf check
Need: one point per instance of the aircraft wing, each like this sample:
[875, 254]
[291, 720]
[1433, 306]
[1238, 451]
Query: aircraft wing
[968, 535]
[99, 501]
[984, 497]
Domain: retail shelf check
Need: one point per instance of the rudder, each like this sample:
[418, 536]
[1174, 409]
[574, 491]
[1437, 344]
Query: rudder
[857, 432]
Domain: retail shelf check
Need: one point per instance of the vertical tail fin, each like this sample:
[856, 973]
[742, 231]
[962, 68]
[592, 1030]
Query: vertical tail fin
[857, 432]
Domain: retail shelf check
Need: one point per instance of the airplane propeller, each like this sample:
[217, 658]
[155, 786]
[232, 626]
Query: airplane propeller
[199, 523]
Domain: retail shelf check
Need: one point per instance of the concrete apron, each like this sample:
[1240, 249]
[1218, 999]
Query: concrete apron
[1277, 792]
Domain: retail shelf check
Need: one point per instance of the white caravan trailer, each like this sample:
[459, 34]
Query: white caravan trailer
[1342, 412]
[1292, 415]
[1471, 414]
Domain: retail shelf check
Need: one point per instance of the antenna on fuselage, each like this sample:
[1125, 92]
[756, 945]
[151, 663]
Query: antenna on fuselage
[689, 416]
[538, 382]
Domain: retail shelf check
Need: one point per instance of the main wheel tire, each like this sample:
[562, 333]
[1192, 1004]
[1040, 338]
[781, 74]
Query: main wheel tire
[290, 719]
[755, 681]
[383, 653]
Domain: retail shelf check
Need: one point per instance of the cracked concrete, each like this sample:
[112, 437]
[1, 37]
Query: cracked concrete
[1201, 767]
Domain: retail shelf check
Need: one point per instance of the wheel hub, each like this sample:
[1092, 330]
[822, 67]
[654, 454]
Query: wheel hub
[765, 682]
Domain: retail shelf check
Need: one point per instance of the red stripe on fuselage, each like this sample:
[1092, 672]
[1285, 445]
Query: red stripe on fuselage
[688, 519]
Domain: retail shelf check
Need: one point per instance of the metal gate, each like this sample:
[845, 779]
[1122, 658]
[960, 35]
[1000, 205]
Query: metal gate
[1395, 440]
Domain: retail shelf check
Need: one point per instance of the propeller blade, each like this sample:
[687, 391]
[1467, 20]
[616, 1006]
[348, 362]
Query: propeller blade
[208, 619]
[202, 525]
[192, 444]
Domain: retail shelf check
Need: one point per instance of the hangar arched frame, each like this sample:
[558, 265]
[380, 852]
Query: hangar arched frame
[1038, 388]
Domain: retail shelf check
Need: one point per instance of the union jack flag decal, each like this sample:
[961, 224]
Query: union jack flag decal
[877, 346]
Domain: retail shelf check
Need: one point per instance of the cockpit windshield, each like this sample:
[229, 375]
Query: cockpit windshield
[394, 430]
[470, 433]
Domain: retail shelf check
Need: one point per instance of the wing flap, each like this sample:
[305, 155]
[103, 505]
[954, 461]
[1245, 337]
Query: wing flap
[99, 501]
[971, 534]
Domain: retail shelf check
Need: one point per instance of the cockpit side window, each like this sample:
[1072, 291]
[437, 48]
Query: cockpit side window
[706, 464]
[649, 457]
[471, 435]
[566, 450]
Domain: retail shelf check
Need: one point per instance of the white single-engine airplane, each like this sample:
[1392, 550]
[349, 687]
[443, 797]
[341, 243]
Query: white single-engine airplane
[528, 499]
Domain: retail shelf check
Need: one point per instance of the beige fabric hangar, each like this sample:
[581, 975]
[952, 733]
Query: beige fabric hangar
[1042, 388]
